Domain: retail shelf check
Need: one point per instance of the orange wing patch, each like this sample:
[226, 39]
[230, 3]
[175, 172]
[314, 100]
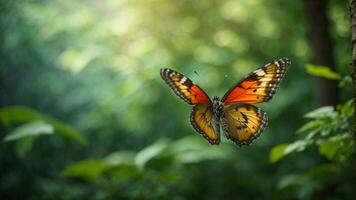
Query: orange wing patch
[203, 121]
[243, 123]
[259, 86]
[184, 87]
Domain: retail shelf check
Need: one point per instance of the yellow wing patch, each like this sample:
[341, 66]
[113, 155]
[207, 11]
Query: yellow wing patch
[203, 121]
[243, 123]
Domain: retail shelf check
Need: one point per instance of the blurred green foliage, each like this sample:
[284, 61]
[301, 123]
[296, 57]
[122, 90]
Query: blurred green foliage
[35, 124]
[331, 132]
[84, 114]
[322, 71]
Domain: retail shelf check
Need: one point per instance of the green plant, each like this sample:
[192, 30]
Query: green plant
[329, 129]
[24, 125]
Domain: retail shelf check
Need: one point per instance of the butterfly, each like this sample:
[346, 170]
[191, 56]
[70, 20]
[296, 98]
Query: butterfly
[235, 113]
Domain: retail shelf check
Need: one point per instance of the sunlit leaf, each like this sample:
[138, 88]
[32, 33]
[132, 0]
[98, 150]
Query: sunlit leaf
[120, 158]
[332, 145]
[312, 134]
[322, 112]
[296, 146]
[122, 172]
[347, 109]
[88, 169]
[19, 114]
[277, 152]
[322, 71]
[67, 131]
[121, 165]
[150, 152]
[31, 129]
[280, 151]
[329, 149]
[310, 125]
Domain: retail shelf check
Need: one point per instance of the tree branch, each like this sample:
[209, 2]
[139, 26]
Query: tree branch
[353, 40]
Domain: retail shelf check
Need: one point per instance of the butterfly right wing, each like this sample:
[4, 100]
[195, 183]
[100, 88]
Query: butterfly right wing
[259, 86]
[184, 87]
[203, 121]
[242, 123]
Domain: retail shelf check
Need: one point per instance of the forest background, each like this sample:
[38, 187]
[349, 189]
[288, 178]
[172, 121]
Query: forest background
[84, 113]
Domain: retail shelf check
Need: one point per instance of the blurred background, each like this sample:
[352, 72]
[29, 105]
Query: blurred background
[85, 115]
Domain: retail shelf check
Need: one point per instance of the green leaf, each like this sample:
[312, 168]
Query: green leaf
[120, 158]
[19, 114]
[310, 125]
[29, 130]
[277, 152]
[87, 169]
[313, 133]
[322, 112]
[347, 109]
[122, 172]
[26, 134]
[150, 152]
[329, 148]
[67, 132]
[280, 151]
[296, 146]
[121, 165]
[322, 71]
[118, 164]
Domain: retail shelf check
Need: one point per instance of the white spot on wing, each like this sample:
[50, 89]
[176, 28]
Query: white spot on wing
[183, 80]
[259, 72]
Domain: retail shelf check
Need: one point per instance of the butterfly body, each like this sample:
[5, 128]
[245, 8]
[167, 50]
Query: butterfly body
[234, 113]
[218, 107]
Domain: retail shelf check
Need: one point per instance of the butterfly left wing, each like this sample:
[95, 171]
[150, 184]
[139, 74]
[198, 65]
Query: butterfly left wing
[184, 87]
[204, 122]
[259, 86]
[242, 123]
[201, 117]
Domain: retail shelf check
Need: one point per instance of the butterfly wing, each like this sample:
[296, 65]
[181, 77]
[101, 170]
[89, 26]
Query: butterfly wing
[184, 87]
[242, 123]
[259, 86]
[204, 122]
[201, 117]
